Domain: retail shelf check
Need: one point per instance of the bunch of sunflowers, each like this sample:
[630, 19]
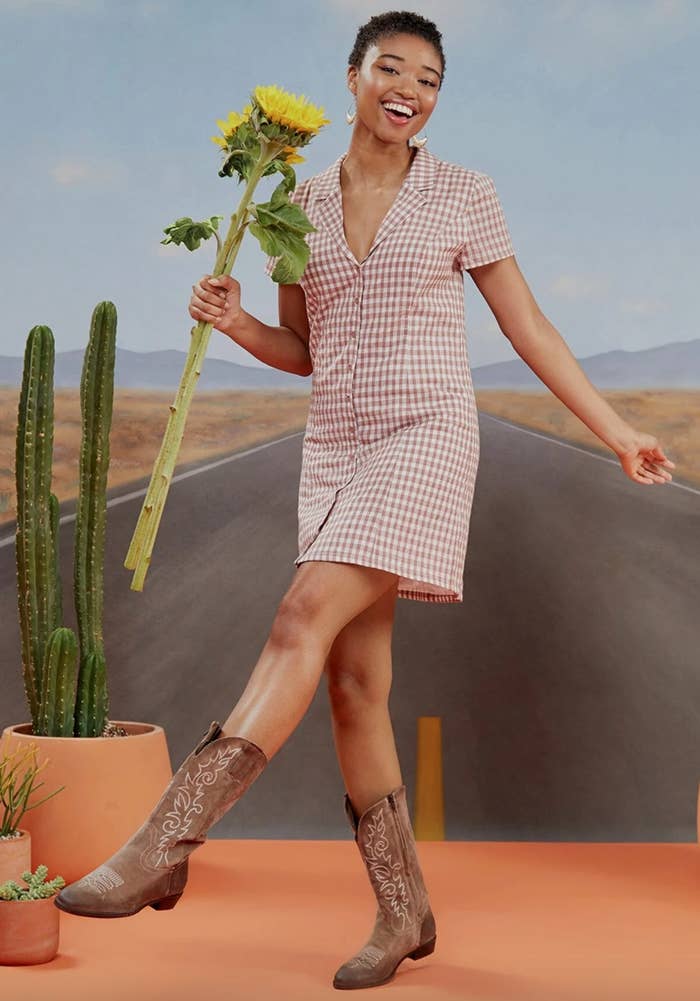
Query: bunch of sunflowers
[263, 139]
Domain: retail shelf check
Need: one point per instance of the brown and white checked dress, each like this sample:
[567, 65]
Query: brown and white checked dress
[391, 447]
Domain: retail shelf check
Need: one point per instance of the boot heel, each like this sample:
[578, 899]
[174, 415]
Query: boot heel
[424, 950]
[166, 903]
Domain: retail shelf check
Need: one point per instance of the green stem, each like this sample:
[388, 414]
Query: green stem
[138, 557]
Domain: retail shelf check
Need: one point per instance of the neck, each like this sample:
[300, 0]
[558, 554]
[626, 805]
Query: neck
[377, 165]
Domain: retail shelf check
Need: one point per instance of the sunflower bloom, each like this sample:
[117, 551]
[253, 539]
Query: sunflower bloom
[287, 109]
[229, 125]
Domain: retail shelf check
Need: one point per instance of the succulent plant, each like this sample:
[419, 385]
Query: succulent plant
[37, 887]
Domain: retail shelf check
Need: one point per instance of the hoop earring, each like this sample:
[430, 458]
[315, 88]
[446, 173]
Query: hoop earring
[415, 141]
[350, 116]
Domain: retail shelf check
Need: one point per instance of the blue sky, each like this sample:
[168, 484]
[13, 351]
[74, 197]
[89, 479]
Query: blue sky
[584, 114]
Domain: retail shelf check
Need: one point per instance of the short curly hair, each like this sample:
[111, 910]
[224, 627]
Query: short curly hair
[394, 22]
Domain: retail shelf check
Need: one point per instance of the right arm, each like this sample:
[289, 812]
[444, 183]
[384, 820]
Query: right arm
[285, 346]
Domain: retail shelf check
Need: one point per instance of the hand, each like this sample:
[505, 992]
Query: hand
[217, 301]
[642, 457]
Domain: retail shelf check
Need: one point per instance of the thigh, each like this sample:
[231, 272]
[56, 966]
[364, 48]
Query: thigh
[359, 661]
[325, 595]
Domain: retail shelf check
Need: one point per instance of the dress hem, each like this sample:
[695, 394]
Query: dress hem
[403, 592]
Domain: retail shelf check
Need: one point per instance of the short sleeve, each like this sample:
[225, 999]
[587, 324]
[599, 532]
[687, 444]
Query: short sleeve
[487, 238]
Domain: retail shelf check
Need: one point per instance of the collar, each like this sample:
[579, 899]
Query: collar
[421, 174]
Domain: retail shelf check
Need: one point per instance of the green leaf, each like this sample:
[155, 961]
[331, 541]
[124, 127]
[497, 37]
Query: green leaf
[286, 244]
[189, 232]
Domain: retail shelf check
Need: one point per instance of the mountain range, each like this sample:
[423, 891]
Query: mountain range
[668, 366]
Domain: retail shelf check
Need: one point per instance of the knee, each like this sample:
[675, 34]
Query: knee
[295, 614]
[354, 691]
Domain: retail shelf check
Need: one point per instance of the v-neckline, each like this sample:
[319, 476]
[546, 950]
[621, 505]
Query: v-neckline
[386, 215]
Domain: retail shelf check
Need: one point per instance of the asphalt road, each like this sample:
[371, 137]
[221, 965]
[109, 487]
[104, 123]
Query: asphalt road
[567, 682]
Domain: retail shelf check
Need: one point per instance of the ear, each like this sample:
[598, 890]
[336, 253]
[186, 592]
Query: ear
[352, 79]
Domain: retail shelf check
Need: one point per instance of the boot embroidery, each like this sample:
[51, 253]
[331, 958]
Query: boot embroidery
[187, 804]
[384, 873]
[369, 957]
[102, 879]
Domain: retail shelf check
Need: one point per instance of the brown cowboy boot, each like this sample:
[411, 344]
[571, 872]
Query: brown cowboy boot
[151, 868]
[404, 924]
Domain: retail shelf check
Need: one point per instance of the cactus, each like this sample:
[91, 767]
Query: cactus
[37, 886]
[56, 714]
[96, 396]
[91, 706]
[57, 590]
[64, 675]
[37, 527]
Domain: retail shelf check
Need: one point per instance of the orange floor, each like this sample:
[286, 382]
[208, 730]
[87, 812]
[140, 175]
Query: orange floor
[264, 920]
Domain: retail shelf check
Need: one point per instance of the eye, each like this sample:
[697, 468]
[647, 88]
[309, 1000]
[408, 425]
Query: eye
[388, 69]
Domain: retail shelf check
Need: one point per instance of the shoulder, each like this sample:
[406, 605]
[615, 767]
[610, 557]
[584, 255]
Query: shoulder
[466, 183]
[300, 194]
[305, 190]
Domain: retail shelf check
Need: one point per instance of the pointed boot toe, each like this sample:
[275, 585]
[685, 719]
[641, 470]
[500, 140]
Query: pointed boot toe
[152, 867]
[404, 925]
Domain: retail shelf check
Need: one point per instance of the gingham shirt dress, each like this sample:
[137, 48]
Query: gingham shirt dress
[391, 447]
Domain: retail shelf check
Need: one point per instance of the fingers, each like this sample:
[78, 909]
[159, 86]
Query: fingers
[209, 297]
[659, 453]
[651, 474]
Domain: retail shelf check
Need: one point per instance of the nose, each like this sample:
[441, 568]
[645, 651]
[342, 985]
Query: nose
[406, 87]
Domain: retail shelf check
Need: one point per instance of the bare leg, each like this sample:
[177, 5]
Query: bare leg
[359, 671]
[321, 600]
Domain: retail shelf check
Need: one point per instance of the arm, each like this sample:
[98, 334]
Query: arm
[218, 301]
[543, 349]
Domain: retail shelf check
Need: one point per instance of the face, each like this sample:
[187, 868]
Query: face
[403, 69]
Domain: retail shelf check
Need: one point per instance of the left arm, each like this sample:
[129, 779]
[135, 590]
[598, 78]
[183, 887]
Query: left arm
[544, 350]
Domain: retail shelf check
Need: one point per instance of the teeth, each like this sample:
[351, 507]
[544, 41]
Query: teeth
[399, 107]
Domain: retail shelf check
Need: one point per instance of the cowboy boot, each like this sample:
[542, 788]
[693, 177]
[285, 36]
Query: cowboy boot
[151, 868]
[404, 925]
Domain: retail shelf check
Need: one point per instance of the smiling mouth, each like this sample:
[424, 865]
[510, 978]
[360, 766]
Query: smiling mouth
[396, 117]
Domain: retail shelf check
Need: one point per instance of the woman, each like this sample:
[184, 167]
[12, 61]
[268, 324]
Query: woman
[390, 458]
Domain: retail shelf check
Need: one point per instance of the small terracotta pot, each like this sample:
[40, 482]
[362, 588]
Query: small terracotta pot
[29, 931]
[111, 785]
[15, 856]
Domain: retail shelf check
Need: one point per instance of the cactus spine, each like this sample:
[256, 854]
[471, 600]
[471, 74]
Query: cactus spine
[38, 583]
[96, 397]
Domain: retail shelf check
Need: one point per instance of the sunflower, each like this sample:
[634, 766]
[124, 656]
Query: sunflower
[287, 109]
[229, 125]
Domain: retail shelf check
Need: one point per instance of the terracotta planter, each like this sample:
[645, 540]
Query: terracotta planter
[111, 785]
[29, 931]
[15, 856]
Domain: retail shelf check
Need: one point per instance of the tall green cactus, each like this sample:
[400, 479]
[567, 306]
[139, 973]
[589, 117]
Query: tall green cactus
[96, 397]
[38, 582]
[66, 693]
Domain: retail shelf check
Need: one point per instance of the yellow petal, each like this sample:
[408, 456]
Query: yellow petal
[297, 113]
